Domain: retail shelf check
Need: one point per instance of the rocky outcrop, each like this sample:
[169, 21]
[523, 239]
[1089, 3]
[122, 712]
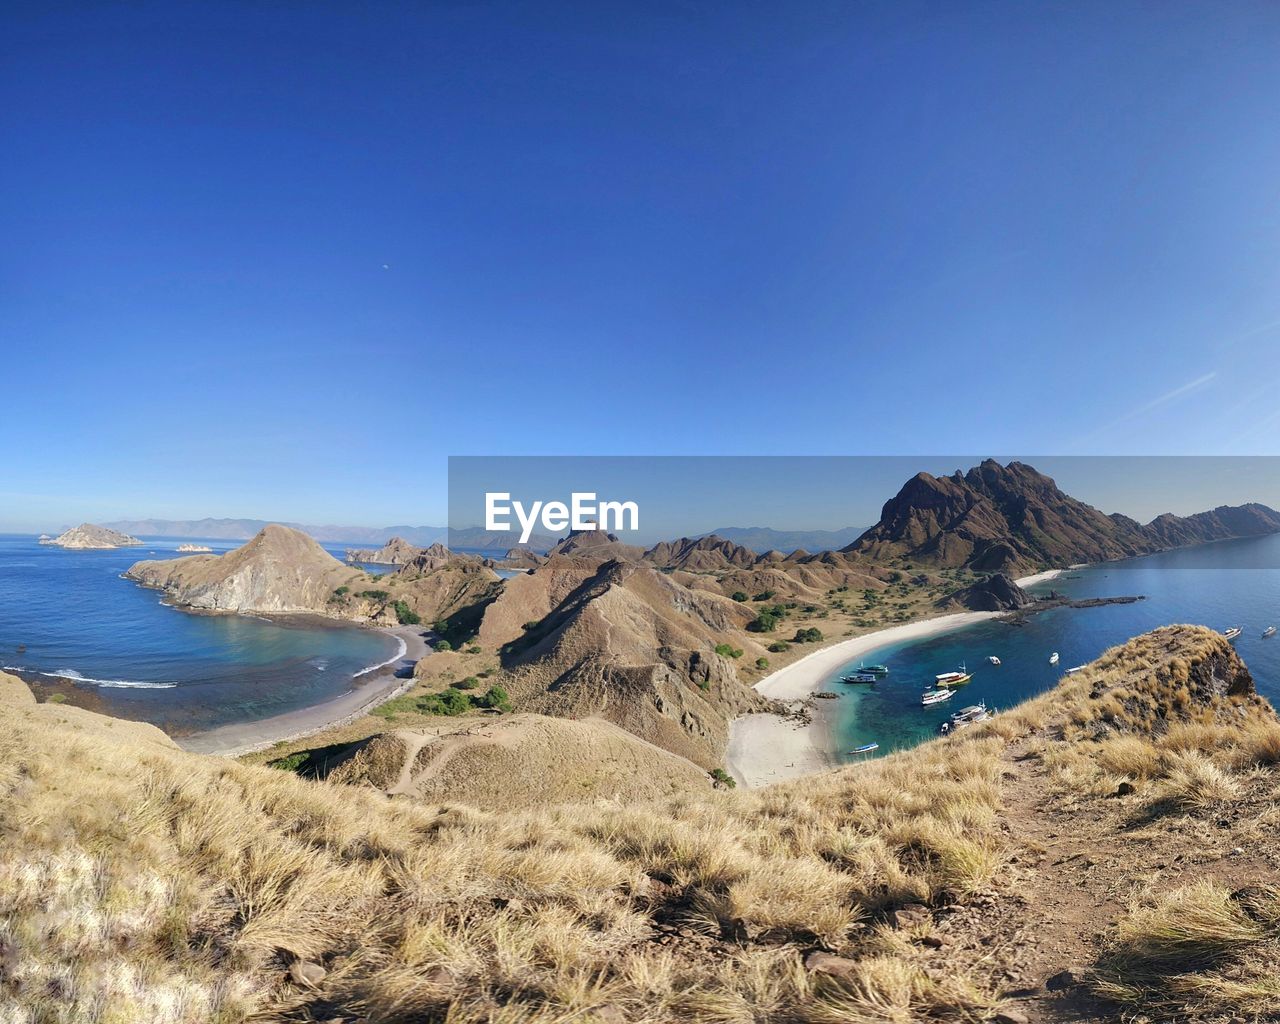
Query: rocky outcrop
[1014, 519]
[89, 536]
[396, 551]
[996, 593]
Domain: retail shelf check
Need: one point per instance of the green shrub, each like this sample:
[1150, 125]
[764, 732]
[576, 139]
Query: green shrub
[765, 622]
[473, 649]
[470, 683]
[807, 636]
[56, 698]
[443, 645]
[723, 777]
[375, 595]
[728, 651]
[778, 646]
[762, 662]
[405, 615]
[496, 698]
[764, 595]
[342, 591]
[739, 595]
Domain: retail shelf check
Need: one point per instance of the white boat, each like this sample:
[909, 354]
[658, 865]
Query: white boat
[1232, 633]
[866, 748]
[970, 713]
[1269, 631]
[1076, 668]
[993, 659]
[963, 675]
[1053, 658]
[936, 696]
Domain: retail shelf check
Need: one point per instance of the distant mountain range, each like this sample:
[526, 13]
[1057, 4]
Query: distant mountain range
[245, 529]
[764, 538]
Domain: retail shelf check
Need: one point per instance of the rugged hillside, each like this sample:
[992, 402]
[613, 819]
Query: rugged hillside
[396, 551]
[703, 554]
[521, 761]
[91, 536]
[620, 641]
[996, 593]
[1014, 519]
[280, 570]
[1107, 849]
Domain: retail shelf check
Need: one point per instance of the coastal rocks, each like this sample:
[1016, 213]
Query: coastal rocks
[996, 593]
[89, 536]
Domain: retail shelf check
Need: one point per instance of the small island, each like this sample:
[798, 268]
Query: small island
[90, 536]
[195, 549]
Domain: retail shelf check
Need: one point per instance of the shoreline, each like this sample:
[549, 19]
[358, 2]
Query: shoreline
[371, 687]
[766, 748]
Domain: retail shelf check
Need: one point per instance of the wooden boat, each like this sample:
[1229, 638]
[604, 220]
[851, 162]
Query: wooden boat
[866, 748]
[936, 696]
[1269, 631]
[875, 670]
[1053, 658]
[970, 713]
[962, 675]
[1232, 633]
[860, 677]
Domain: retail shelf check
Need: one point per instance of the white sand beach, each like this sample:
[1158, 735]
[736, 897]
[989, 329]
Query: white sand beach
[369, 689]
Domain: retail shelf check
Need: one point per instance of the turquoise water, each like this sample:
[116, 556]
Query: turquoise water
[1234, 583]
[79, 622]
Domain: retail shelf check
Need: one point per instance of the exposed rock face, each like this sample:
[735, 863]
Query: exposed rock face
[521, 761]
[522, 558]
[396, 551]
[89, 536]
[996, 593]
[280, 570]
[1014, 519]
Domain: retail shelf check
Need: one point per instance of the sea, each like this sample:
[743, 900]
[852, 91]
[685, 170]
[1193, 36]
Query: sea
[68, 617]
[1230, 583]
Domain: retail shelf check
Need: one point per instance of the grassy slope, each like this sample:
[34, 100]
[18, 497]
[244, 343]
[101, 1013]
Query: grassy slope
[141, 883]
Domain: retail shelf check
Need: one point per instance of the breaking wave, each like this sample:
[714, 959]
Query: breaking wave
[71, 675]
[404, 649]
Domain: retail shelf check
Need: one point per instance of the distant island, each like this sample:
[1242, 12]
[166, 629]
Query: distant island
[90, 536]
[396, 551]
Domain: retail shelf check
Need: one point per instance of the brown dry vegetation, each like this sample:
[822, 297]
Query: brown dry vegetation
[139, 883]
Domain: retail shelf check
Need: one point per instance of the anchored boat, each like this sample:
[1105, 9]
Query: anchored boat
[1053, 658]
[1232, 633]
[962, 675]
[859, 677]
[1269, 631]
[936, 696]
[866, 748]
[875, 670]
[993, 659]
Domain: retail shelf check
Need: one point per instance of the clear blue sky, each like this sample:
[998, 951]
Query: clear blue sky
[281, 260]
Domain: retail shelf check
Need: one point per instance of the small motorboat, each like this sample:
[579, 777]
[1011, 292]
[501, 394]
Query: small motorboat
[1269, 631]
[866, 748]
[936, 696]
[875, 670]
[970, 713]
[1053, 658]
[993, 659]
[1232, 633]
[1076, 668]
[962, 675]
[859, 677]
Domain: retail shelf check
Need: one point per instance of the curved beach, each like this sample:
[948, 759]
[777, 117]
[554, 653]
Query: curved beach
[370, 687]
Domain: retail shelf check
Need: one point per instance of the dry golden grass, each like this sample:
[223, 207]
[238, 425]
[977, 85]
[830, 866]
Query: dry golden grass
[138, 883]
